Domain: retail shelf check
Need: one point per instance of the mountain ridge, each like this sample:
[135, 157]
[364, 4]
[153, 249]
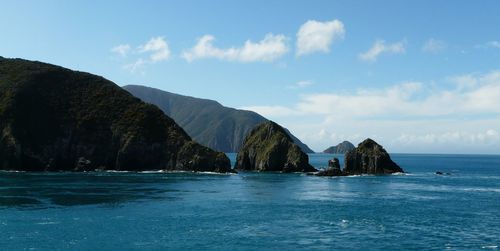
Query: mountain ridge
[206, 121]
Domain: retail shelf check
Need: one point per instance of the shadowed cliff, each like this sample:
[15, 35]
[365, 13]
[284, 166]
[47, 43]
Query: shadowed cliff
[52, 119]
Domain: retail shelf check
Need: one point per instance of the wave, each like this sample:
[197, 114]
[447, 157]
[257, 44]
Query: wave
[168, 171]
[443, 188]
[112, 171]
[490, 247]
[188, 172]
[48, 223]
[481, 189]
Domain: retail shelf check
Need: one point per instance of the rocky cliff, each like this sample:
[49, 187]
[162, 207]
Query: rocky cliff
[53, 119]
[269, 148]
[369, 158]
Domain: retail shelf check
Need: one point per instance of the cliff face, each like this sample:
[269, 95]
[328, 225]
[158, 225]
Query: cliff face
[52, 119]
[207, 121]
[369, 158]
[269, 148]
[341, 148]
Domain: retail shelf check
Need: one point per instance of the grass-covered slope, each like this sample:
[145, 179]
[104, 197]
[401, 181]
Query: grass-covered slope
[52, 118]
[207, 121]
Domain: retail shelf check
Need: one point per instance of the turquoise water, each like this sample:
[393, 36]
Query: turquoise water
[258, 211]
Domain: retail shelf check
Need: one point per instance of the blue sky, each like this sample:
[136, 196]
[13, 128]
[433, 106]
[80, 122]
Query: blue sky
[417, 76]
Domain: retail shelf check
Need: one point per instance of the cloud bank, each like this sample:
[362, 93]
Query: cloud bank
[466, 113]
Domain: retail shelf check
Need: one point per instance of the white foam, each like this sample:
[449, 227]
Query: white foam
[481, 189]
[490, 247]
[47, 223]
[153, 171]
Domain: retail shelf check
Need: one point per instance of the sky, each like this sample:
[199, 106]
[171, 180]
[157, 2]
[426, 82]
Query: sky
[416, 76]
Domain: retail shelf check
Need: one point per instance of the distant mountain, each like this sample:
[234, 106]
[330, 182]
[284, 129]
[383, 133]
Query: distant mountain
[206, 121]
[56, 119]
[341, 148]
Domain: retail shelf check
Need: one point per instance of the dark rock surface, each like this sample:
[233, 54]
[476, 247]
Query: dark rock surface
[369, 158]
[206, 121]
[341, 148]
[334, 163]
[269, 148]
[55, 119]
[332, 170]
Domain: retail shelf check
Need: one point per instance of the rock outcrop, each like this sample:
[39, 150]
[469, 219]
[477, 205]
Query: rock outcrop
[341, 148]
[269, 148]
[369, 158]
[55, 119]
[332, 170]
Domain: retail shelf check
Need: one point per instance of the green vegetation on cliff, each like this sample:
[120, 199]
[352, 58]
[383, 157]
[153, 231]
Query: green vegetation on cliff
[52, 118]
[268, 147]
[369, 158]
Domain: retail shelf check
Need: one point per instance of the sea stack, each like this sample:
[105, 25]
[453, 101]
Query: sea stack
[369, 158]
[268, 147]
[341, 148]
[332, 170]
[55, 119]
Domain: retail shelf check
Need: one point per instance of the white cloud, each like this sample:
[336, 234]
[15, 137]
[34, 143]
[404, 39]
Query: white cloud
[121, 49]
[158, 47]
[268, 49]
[301, 84]
[380, 47]
[314, 36]
[136, 66]
[433, 46]
[464, 81]
[489, 136]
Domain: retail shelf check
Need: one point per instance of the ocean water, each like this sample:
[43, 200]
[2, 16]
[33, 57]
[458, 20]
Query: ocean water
[258, 211]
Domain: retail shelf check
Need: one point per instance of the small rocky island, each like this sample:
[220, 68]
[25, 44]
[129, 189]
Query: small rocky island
[368, 158]
[55, 119]
[341, 148]
[332, 170]
[268, 147]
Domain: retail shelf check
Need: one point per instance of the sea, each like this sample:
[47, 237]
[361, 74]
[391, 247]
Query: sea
[418, 210]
